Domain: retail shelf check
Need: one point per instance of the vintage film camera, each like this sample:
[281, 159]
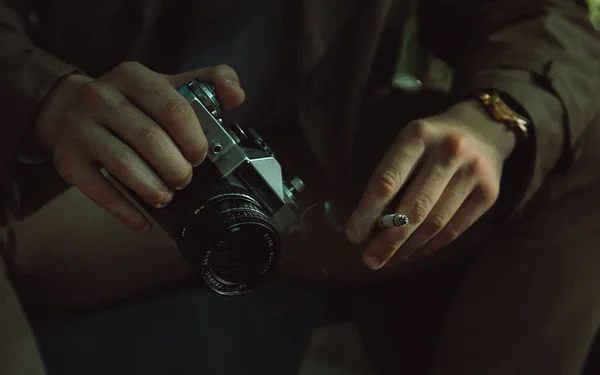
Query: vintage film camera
[227, 222]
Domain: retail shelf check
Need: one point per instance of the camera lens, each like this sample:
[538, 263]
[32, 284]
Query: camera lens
[231, 241]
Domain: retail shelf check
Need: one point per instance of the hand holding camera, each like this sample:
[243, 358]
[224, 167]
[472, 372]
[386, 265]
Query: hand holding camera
[151, 148]
[135, 124]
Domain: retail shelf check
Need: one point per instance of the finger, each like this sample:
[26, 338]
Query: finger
[155, 96]
[127, 166]
[474, 207]
[454, 196]
[83, 174]
[145, 136]
[389, 177]
[225, 79]
[421, 196]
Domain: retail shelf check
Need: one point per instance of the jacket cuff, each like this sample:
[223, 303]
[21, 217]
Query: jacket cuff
[25, 81]
[546, 146]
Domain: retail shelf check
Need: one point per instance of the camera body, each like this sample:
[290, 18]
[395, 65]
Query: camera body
[227, 222]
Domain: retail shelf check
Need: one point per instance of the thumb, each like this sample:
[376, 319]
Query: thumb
[225, 79]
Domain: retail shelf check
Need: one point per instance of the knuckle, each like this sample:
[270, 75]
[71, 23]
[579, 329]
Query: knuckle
[387, 184]
[420, 209]
[92, 94]
[434, 224]
[147, 134]
[158, 87]
[450, 234]
[478, 166]
[123, 105]
[420, 128]
[121, 163]
[456, 145]
[128, 66]
[178, 112]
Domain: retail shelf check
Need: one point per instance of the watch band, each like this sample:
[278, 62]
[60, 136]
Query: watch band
[502, 113]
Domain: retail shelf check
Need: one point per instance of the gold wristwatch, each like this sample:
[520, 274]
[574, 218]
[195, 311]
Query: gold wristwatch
[502, 113]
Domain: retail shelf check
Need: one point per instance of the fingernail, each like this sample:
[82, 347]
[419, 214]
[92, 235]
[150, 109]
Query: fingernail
[186, 183]
[201, 161]
[232, 82]
[147, 226]
[372, 262]
[168, 198]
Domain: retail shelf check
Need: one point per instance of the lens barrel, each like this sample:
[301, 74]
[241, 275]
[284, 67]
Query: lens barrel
[232, 241]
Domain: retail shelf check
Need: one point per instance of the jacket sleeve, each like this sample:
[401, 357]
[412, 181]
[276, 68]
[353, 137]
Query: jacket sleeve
[27, 74]
[543, 54]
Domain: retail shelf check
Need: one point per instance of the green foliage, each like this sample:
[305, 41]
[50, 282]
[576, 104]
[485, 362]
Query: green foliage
[595, 12]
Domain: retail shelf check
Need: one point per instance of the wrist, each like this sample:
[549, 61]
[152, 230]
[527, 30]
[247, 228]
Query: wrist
[54, 106]
[478, 119]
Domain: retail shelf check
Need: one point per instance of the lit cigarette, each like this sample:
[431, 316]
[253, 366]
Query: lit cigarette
[393, 220]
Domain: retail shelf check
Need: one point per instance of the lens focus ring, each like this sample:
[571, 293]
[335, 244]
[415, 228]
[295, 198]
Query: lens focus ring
[231, 242]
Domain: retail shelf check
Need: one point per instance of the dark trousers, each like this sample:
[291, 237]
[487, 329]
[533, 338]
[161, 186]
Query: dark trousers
[186, 330]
